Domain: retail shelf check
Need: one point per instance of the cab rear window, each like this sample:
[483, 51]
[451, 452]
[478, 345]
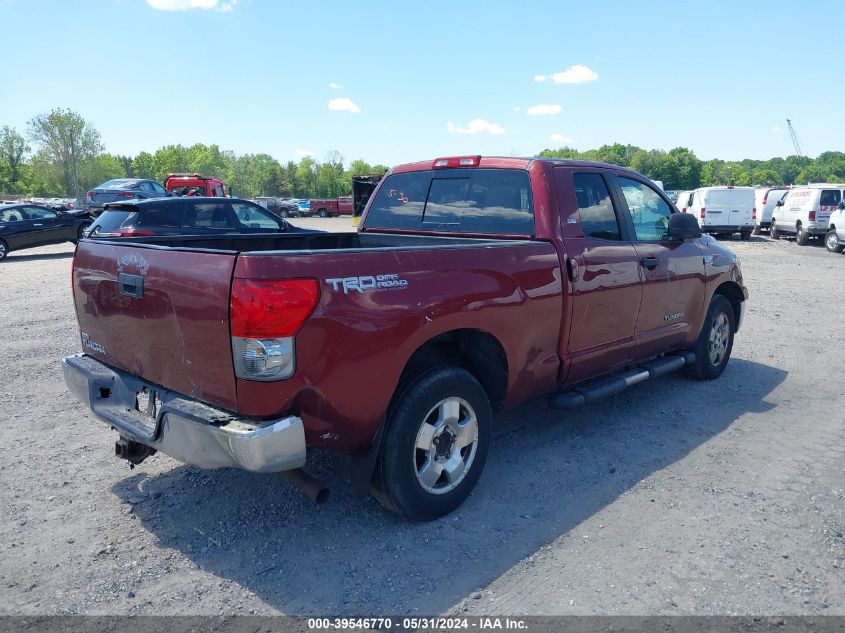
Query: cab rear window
[493, 201]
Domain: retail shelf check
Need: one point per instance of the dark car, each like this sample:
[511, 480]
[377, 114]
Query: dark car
[186, 216]
[121, 189]
[30, 225]
[280, 207]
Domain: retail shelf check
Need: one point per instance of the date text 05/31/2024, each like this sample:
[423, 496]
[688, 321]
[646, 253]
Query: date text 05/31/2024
[417, 623]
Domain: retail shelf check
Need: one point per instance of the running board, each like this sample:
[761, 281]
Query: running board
[599, 388]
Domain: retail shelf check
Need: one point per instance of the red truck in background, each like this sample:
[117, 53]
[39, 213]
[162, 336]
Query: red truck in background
[473, 284]
[196, 185]
[326, 207]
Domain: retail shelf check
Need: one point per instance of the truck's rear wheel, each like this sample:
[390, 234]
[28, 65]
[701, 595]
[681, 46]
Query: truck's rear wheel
[774, 233]
[435, 445]
[801, 235]
[715, 342]
[323, 213]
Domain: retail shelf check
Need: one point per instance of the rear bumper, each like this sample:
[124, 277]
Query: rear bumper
[727, 228]
[185, 429]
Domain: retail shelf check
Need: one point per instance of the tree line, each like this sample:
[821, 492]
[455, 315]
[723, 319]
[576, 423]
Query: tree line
[67, 158]
[679, 168]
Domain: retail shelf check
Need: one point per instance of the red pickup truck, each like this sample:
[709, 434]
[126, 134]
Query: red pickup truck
[471, 285]
[326, 207]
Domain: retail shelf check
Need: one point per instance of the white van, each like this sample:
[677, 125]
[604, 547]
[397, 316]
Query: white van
[683, 201]
[724, 210]
[805, 211]
[765, 199]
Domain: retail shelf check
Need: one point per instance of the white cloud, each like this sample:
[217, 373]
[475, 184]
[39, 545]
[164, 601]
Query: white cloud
[517, 109]
[776, 129]
[335, 86]
[560, 138]
[577, 74]
[342, 104]
[184, 5]
[476, 126]
[304, 152]
[542, 109]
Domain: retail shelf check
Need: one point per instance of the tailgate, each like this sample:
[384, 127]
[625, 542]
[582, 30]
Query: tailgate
[159, 313]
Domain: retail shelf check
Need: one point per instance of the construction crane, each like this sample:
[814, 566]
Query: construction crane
[794, 138]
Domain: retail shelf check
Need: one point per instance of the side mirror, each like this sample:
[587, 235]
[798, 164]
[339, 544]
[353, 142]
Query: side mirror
[683, 226]
[779, 203]
[841, 206]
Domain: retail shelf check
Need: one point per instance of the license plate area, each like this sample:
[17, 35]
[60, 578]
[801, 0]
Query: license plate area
[148, 402]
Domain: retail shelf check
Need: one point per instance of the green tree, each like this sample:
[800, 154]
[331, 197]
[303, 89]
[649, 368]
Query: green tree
[567, 153]
[96, 170]
[306, 176]
[13, 148]
[143, 166]
[66, 139]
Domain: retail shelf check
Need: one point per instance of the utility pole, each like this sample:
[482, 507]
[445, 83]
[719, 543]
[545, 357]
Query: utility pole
[794, 138]
[73, 160]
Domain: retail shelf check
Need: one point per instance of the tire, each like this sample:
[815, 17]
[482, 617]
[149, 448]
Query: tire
[745, 236]
[774, 233]
[715, 342]
[284, 213]
[756, 229]
[80, 232]
[801, 236]
[4, 250]
[425, 428]
[831, 242]
[323, 213]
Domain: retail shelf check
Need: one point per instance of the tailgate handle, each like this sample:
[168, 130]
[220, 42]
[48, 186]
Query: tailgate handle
[131, 285]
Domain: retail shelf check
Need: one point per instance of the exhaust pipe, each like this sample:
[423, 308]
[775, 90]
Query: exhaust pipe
[310, 487]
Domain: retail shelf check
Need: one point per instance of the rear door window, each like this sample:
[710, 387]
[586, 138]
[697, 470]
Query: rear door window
[254, 217]
[159, 215]
[595, 208]
[494, 201]
[830, 197]
[210, 215]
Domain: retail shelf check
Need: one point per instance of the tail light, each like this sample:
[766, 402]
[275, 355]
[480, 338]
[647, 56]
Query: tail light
[812, 216]
[126, 194]
[456, 161]
[90, 194]
[765, 197]
[264, 317]
[703, 212]
[754, 213]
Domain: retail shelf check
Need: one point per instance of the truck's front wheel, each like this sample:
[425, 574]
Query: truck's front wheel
[715, 342]
[435, 445]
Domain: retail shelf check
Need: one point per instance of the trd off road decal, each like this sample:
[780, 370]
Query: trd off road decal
[367, 283]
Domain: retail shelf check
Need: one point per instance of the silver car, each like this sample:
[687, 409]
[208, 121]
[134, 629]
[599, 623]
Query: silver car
[120, 190]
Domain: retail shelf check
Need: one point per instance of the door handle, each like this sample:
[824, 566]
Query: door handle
[649, 262]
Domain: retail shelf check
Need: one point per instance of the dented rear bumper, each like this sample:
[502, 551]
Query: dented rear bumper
[185, 429]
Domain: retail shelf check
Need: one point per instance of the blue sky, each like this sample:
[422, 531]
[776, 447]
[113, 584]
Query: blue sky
[432, 78]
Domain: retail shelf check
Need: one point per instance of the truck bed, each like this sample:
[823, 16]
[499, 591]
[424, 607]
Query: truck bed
[158, 307]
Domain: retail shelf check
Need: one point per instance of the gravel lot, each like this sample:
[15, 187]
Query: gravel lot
[676, 497]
